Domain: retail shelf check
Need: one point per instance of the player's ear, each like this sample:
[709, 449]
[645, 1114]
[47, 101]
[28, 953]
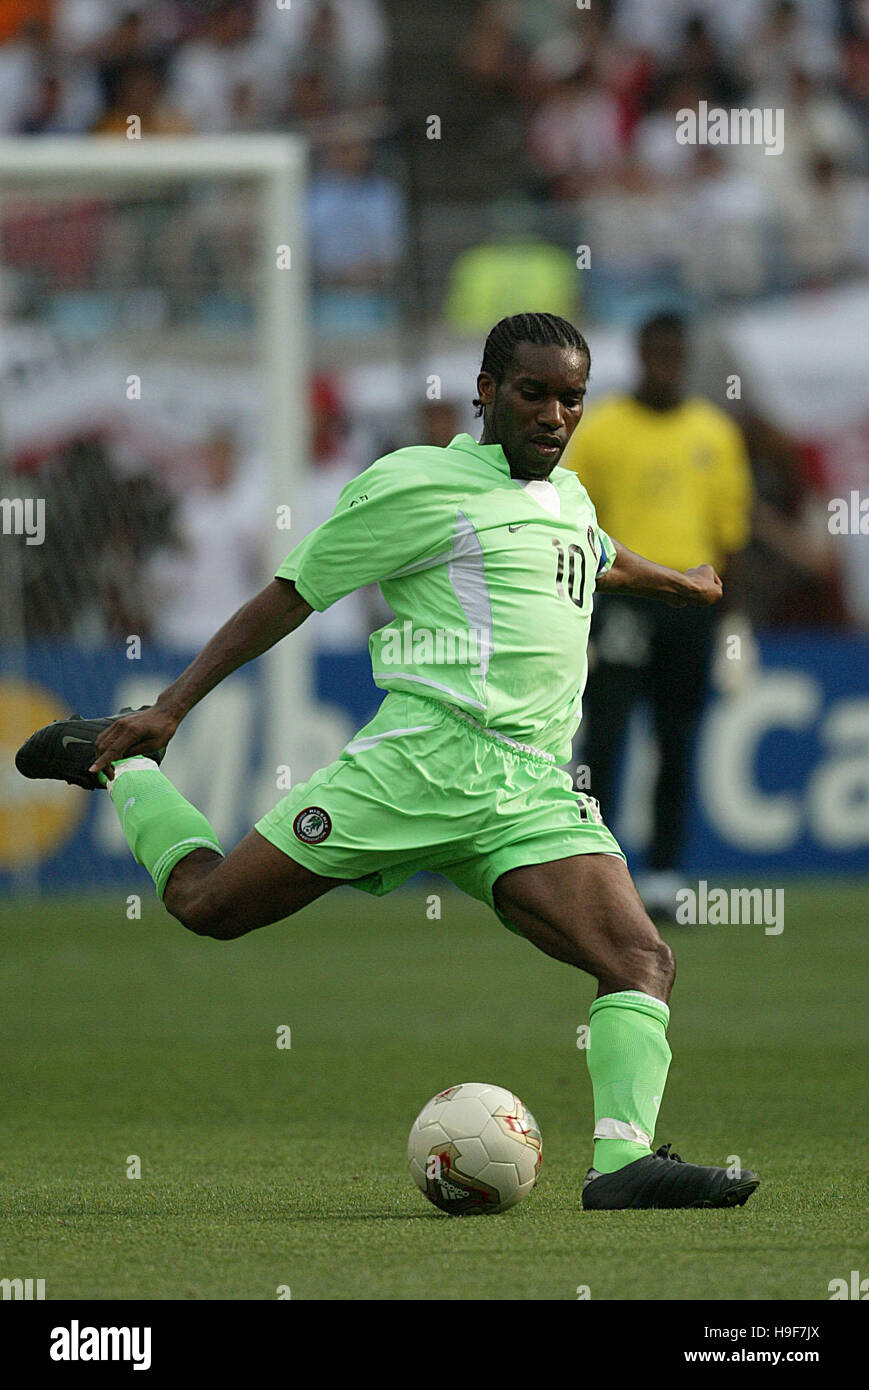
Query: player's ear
[486, 388]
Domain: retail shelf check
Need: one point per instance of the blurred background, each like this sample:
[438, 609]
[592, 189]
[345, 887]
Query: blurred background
[465, 161]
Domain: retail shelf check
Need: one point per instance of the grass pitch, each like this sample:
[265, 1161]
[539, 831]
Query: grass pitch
[264, 1167]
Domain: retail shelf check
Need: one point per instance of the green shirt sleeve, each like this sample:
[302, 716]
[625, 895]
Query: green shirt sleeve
[389, 517]
[607, 551]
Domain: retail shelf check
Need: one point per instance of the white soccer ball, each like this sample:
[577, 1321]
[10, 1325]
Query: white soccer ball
[475, 1150]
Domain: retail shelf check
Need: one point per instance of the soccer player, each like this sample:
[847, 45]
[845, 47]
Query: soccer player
[488, 554]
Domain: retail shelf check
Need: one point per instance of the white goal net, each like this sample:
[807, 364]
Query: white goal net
[153, 450]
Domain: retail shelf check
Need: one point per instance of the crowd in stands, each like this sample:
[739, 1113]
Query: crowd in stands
[570, 112]
[182, 67]
[584, 95]
[593, 94]
[84, 65]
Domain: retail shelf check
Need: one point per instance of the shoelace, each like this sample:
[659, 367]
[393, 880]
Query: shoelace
[664, 1152]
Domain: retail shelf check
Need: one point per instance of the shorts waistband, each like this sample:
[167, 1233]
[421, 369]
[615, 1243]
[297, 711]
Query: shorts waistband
[510, 745]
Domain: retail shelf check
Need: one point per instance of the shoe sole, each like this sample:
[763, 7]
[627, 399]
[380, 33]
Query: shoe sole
[735, 1196]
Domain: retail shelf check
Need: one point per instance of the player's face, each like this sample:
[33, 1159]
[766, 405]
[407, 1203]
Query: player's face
[534, 410]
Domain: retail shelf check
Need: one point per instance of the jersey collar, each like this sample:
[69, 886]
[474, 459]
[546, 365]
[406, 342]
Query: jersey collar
[493, 454]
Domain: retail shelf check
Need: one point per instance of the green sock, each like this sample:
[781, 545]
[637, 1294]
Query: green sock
[628, 1059]
[160, 826]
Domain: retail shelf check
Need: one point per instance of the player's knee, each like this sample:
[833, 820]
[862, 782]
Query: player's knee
[648, 965]
[665, 964]
[200, 913]
[194, 899]
[657, 968]
[217, 924]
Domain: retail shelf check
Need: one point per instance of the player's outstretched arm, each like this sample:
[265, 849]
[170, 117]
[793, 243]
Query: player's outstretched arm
[633, 574]
[273, 613]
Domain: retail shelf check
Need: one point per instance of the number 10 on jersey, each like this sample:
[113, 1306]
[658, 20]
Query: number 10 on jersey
[572, 552]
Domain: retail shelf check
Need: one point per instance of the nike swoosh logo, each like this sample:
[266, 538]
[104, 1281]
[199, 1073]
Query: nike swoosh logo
[127, 805]
[71, 738]
[519, 525]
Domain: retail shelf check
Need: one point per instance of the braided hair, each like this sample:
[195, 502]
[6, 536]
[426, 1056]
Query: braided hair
[545, 330]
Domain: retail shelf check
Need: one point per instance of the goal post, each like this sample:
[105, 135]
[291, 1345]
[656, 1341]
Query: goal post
[46, 172]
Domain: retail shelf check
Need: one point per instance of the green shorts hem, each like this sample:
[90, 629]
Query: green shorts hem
[597, 840]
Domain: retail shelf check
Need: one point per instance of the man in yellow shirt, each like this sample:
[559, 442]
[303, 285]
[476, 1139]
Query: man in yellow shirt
[669, 475]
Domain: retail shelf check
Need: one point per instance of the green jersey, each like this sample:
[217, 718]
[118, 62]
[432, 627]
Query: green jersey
[490, 578]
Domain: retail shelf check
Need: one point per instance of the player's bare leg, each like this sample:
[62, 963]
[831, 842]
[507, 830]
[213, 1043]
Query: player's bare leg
[255, 884]
[586, 911]
[213, 894]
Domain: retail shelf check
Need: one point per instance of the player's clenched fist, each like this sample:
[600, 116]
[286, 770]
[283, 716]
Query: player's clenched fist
[703, 588]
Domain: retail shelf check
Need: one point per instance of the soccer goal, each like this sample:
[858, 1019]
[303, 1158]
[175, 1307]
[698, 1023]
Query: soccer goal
[154, 308]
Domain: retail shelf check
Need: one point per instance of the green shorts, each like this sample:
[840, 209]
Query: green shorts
[424, 787]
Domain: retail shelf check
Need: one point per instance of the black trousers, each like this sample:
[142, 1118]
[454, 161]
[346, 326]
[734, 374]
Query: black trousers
[647, 651]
